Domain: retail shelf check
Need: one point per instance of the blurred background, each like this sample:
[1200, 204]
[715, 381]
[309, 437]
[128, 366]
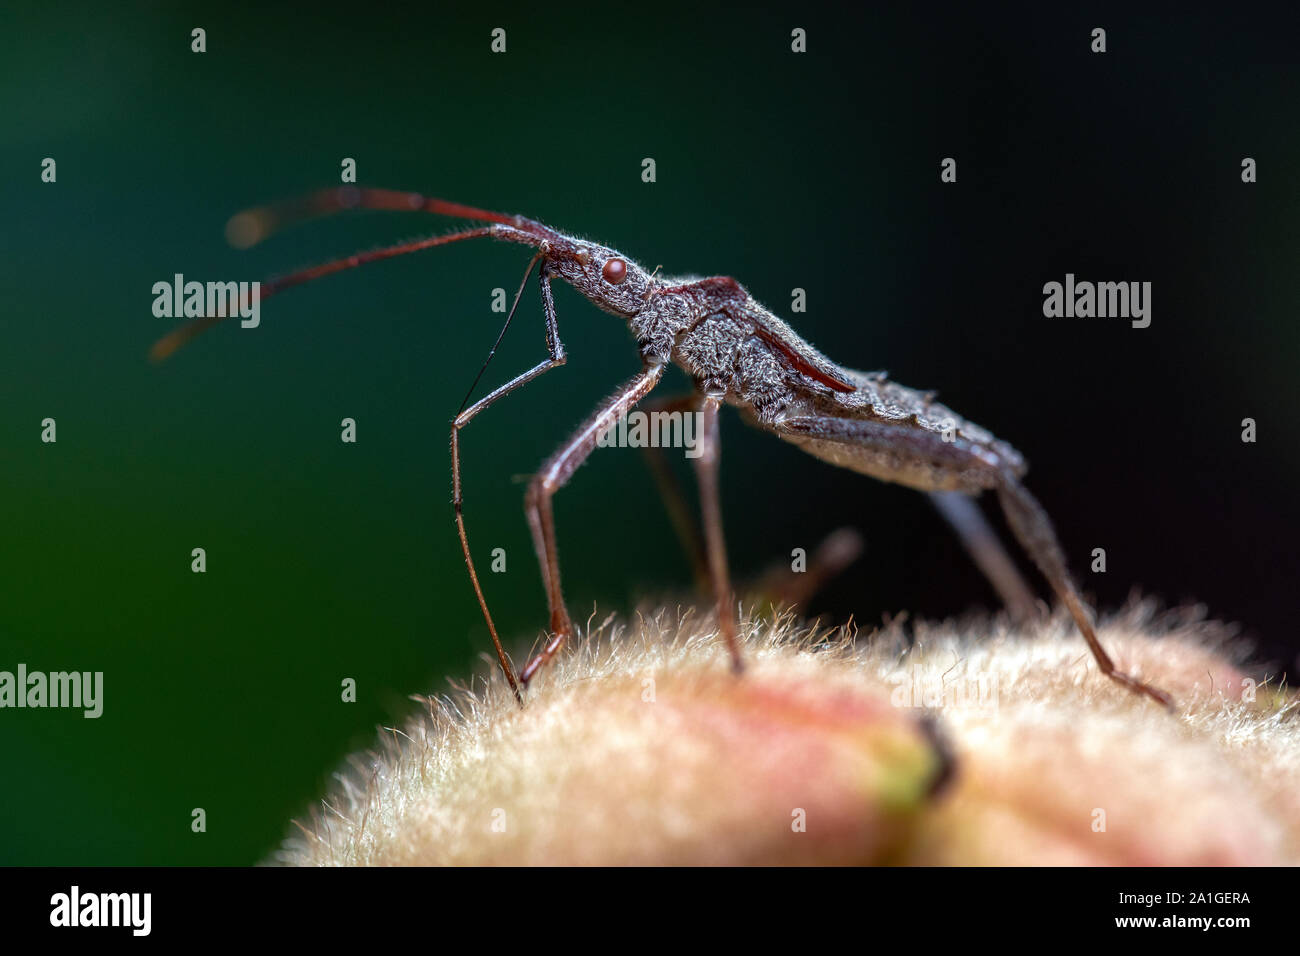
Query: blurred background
[819, 171]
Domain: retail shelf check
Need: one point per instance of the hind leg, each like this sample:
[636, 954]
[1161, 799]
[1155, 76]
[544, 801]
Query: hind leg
[982, 544]
[1034, 531]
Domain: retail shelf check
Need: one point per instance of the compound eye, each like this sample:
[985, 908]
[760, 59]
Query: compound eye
[615, 271]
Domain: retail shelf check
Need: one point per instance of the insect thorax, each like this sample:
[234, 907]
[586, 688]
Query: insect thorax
[718, 349]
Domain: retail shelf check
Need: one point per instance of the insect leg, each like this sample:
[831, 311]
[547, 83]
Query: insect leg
[980, 465]
[555, 350]
[982, 544]
[552, 476]
[679, 512]
[706, 468]
[779, 585]
[1034, 530]
[782, 585]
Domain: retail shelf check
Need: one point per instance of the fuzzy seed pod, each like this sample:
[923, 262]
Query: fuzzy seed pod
[961, 743]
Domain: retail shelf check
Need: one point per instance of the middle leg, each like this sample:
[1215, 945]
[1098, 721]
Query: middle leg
[706, 467]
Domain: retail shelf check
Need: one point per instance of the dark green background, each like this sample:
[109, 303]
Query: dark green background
[819, 171]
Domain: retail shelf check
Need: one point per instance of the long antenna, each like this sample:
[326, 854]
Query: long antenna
[251, 226]
[173, 340]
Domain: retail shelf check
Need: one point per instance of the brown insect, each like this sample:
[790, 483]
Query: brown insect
[736, 352]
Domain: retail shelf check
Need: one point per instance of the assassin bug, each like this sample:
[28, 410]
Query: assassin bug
[736, 352]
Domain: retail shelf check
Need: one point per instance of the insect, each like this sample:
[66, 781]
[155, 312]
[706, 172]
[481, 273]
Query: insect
[737, 353]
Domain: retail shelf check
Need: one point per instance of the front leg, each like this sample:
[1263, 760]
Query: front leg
[556, 358]
[549, 479]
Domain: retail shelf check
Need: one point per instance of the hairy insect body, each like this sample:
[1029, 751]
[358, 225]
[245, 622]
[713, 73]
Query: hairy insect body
[968, 458]
[737, 352]
[736, 349]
